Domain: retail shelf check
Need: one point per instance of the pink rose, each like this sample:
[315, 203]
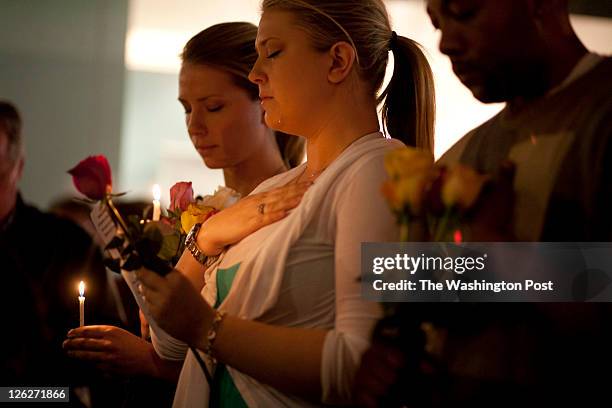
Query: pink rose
[92, 177]
[181, 195]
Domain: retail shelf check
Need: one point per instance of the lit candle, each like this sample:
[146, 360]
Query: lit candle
[81, 304]
[156, 206]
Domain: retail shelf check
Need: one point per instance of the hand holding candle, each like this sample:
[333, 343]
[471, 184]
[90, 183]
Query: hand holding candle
[81, 304]
[156, 205]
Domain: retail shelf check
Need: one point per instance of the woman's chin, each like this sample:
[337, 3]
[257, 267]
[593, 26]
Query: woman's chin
[213, 163]
[272, 121]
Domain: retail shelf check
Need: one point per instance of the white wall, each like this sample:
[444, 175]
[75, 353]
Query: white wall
[62, 64]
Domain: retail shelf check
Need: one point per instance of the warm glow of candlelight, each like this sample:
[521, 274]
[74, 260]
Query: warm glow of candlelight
[156, 192]
[156, 205]
[81, 304]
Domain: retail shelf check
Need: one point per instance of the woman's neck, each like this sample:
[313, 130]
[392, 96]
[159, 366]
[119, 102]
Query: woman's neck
[341, 127]
[247, 175]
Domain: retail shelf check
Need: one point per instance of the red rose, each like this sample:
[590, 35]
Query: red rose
[92, 177]
[181, 195]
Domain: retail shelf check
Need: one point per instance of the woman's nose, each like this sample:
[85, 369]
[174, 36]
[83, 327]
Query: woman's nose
[196, 126]
[257, 75]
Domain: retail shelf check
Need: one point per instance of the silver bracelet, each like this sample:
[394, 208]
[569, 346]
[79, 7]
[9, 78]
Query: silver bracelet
[212, 332]
[191, 244]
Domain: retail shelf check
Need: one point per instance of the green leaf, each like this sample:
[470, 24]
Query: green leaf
[169, 248]
[174, 214]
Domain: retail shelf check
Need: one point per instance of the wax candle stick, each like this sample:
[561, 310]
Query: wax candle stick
[156, 205]
[81, 304]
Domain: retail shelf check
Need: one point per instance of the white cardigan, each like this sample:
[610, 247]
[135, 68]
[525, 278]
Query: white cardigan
[303, 271]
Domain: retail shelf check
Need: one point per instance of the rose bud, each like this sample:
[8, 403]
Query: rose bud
[181, 195]
[92, 177]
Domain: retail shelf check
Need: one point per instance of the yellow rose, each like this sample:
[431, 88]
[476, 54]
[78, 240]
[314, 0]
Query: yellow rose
[407, 192]
[194, 214]
[407, 162]
[411, 170]
[388, 190]
[411, 191]
[462, 186]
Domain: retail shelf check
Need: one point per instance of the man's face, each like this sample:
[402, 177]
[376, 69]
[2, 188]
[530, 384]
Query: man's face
[491, 45]
[10, 172]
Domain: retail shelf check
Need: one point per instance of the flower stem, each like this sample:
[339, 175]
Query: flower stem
[404, 231]
[441, 227]
[117, 216]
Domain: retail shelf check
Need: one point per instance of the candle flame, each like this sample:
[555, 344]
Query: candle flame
[156, 192]
[81, 288]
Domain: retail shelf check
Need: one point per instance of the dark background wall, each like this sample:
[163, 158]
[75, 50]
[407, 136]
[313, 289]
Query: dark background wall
[601, 8]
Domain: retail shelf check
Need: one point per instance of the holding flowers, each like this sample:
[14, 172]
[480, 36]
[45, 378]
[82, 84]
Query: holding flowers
[140, 241]
[430, 202]
[228, 133]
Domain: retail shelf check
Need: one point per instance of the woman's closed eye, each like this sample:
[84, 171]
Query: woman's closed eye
[186, 107]
[273, 54]
[215, 108]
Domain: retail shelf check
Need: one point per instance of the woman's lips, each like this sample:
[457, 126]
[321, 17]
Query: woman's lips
[205, 149]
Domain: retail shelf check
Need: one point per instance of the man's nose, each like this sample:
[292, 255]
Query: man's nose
[451, 41]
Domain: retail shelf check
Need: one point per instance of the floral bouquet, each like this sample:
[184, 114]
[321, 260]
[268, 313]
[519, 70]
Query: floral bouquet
[430, 202]
[185, 211]
[139, 241]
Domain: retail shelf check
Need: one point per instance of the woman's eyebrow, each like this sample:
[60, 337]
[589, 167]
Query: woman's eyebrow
[261, 43]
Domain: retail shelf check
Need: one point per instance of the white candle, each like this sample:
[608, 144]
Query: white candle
[156, 206]
[81, 304]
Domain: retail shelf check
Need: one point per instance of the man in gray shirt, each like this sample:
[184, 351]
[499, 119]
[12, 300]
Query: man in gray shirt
[557, 130]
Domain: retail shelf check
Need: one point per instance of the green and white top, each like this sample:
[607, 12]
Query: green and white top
[304, 270]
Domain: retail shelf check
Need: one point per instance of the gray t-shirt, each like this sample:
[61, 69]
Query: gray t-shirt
[562, 145]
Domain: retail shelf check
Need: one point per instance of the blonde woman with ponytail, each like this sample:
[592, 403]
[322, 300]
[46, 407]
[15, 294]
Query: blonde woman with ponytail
[278, 317]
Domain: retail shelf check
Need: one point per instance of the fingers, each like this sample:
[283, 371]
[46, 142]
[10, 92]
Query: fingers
[94, 331]
[283, 205]
[87, 344]
[98, 356]
[287, 192]
[280, 200]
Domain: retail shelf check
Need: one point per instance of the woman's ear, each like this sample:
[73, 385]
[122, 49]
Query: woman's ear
[343, 57]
